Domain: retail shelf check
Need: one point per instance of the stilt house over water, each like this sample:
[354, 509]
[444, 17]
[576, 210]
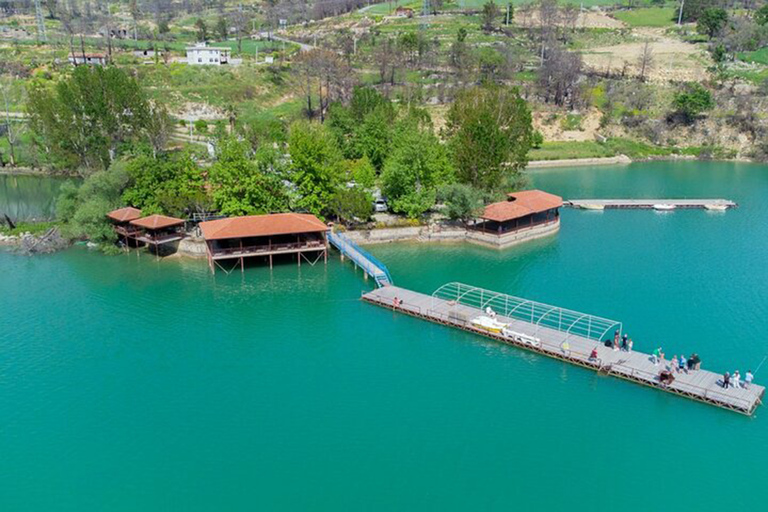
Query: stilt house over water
[237, 238]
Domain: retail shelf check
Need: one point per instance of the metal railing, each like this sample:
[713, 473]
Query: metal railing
[361, 257]
[554, 349]
[569, 322]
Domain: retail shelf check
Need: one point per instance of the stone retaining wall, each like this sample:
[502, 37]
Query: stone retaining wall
[437, 233]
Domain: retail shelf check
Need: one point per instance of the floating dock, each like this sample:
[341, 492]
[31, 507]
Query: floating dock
[659, 204]
[561, 334]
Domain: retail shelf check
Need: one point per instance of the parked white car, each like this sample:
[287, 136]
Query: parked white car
[380, 206]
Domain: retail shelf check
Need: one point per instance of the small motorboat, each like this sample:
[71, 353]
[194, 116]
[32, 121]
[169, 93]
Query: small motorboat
[591, 206]
[715, 207]
[488, 324]
[664, 207]
[521, 337]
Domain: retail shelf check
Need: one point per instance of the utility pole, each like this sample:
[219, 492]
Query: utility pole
[680, 14]
[40, 19]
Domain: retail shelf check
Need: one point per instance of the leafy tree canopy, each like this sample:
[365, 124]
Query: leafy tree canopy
[692, 100]
[712, 21]
[171, 184]
[244, 186]
[418, 165]
[84, 210]
[490, 133]
[84, 118]
[316, 166]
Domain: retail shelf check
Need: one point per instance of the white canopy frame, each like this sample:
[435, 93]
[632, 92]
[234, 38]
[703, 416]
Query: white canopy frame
[543, 316]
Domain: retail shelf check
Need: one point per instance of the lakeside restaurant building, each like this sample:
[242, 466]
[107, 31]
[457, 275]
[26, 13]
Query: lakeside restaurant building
[121, 223]
[525, 215]
[154, 230]
[237, 238]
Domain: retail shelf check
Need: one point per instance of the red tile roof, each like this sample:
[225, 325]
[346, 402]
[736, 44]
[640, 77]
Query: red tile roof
[262, 225]
[157, 222]
[521, 204]
[126, 214]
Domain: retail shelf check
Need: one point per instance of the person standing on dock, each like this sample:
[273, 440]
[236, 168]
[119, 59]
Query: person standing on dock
[629, 345]
[655, 356]
[673, 365]
[736, 379]
[748, 379]
[683, 363]
[726, 380]
[624, 342]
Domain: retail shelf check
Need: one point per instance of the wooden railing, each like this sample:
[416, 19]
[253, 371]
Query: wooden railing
[258, 249]
[517, 229]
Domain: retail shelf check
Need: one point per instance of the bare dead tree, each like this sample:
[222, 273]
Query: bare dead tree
[645, 60]
[559, 76]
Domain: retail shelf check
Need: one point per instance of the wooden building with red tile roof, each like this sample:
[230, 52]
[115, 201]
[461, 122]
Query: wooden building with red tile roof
[121, 223]
[159, 229]
[522, 212]
[237, 238]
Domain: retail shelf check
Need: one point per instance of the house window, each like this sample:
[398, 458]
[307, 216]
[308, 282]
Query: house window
[199, 60]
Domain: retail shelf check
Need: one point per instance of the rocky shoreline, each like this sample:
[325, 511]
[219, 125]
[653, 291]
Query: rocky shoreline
[27, 243]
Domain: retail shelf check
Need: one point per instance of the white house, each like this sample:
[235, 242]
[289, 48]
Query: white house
[202, 55]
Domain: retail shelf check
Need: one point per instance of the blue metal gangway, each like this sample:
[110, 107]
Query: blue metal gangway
[362, 258]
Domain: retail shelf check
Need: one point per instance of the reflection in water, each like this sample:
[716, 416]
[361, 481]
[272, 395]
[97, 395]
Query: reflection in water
[25, 198]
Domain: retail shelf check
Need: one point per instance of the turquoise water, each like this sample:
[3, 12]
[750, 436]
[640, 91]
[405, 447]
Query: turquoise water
[131, 384]
[25, 197]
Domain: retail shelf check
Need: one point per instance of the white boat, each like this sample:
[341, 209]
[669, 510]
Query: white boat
[521, 337]
[716, 207]
[590, 206]
[664, 207]
[486, 323]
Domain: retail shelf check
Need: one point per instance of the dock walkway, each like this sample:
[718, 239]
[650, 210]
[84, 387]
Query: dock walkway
[714, 204]
[362, 258]
[701, 385]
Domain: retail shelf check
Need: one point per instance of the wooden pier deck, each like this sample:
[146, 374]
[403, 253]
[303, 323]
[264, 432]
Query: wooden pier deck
[714, 204]
[702, 385]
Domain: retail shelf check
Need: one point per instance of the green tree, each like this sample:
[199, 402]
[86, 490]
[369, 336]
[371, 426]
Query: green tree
[83, 210]
[316, 166]
[490, 132]
[362, 172]
[244, 186]
[351, 205]
[419, 164]
[171, 184]
[222, 29]
[462, 202]
[693, 9]
[692, 100]
[761, 15]
[712, 21]
[365, 127]
[202, 30]
[85, 118]
[489, 15]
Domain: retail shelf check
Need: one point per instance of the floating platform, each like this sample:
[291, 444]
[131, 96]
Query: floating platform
[650, 204]
[561, 334]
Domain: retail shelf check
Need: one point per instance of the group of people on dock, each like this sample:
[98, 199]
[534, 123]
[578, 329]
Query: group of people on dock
[735, 380]
[620, 342]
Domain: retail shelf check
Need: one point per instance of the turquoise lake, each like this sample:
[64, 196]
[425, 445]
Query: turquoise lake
[130, 384]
